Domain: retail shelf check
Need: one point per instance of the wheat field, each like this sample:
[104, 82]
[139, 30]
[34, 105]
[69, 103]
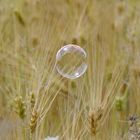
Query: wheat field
[39, 103]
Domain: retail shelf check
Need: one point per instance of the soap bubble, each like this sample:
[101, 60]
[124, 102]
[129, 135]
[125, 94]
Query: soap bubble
[71, 61]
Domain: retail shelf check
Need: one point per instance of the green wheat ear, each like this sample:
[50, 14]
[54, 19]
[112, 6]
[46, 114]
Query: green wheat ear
[20, 107]
[32, 100]
[119, 104]
[19, 17]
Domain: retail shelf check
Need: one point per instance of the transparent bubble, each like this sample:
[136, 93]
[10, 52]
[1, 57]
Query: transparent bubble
[71, 61]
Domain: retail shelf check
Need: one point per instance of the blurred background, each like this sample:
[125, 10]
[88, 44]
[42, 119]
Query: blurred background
[32, 31]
